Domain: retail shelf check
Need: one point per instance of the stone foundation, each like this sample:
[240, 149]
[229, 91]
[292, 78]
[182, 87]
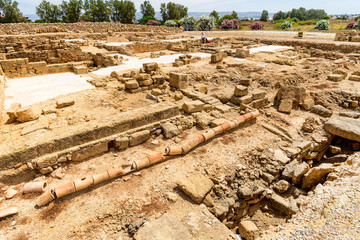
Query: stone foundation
[16, 153]
[344, 48]
[2, 94]
[80, 27]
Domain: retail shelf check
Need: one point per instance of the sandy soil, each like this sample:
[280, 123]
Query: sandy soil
[106, 211]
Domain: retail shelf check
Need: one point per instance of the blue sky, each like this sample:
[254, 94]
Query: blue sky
[330, 6]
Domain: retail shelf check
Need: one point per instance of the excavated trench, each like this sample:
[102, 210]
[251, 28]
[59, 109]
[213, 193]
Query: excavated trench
[264, 194]
[265, 188]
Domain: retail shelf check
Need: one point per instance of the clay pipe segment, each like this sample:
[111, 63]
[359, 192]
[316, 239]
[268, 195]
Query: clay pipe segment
[64, 189]
[101, 177]
[192, 143]
[209, 134]
[236, 122]
[233, 124]
[7, 211]
[45, 198]
[225, 126]
[218, 130]
[172, 151]
[241, 119]
[89, 181]
[141, 163]
[35, 187]
[83, 183]
[115, 172]
[155, 158]
[252, 115]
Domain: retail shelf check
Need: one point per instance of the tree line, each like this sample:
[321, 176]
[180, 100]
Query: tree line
[10, 12]
[302, 14]
[124, 11]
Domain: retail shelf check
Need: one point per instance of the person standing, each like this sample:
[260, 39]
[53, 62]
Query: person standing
[203, 38]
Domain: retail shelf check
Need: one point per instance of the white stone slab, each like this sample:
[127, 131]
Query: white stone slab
[30, 90]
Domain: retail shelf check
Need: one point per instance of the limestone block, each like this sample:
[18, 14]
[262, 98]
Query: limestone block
[248, 230]
[193, 106]
[139, 137]
[322, 111]
[132, 84]
[196, 186]
[336, 77]
[316, 175]
[89, 151]
[165, 228]
[179, 80]
[344, 127]
[240, 91]
[242, 53]
[216, 57]
[170, 130]
[121, 143]
[28, 114]
[285, 106]
[64, 102]
[241, 100]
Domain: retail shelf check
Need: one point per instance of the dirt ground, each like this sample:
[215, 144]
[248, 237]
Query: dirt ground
[113, 209]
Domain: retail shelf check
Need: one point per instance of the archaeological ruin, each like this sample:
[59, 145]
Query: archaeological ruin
[116, 131]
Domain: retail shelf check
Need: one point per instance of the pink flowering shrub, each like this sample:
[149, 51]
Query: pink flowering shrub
[257, 26]
[351, 25]
[153, 23]
[230, 24]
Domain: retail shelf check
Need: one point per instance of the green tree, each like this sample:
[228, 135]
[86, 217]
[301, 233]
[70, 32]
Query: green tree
[264, 16]
[147, 9]
[123, 11]
[302, 14]
[235, 15]
[279, 16]
[86, 16]
[214, 14]
[315, 14]
[96, 11]
[48, 12]
[71, 11]
[11, 11]
[172, 11]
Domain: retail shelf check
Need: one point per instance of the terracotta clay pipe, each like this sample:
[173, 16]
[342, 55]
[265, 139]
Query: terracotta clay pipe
[83, 183]
[78, 185]
[35, 187]
[86, 182]
[7, 211]
[205, 136]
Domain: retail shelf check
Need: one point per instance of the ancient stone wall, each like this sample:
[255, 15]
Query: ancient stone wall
[33, 28]
[2, 94]
[52, 52]
[344, 48]
[11, 154]
[21, 67]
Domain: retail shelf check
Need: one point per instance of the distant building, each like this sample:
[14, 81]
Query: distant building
[26, 19]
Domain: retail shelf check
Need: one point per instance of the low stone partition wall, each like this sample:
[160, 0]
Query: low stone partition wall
[341, 47]
[352, 36]
[15, 154]
[21, 67]
[138, 47]
[69, 54]
[2, 94]
[48, 163]
[90, 27]
[188, 45]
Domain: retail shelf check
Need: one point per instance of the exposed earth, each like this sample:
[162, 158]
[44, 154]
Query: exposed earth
[265, 128]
